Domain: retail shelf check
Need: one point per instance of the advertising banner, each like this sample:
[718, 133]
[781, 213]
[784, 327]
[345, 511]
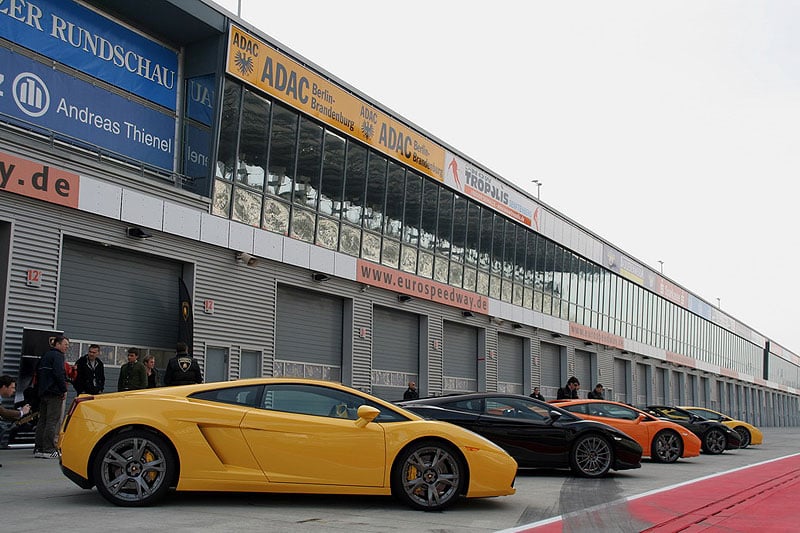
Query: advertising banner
[257, 63]
[57, 101]
[89, 42]
[39, 181]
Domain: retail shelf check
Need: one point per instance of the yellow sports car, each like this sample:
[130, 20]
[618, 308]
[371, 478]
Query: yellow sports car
[273, 435]
[748, 432]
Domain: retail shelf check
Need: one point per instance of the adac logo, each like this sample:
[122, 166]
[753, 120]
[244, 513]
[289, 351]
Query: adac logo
[31, 94]
[367, 129]
[244, 63]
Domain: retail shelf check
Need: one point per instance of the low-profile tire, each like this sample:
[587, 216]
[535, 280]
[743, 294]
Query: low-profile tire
[134, 468]
[429, 476]
[744, 435]
[714, 441]
[667, 447]
[591, 456]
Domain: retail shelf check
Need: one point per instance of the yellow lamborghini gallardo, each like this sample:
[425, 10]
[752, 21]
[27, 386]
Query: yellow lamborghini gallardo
[273, 435]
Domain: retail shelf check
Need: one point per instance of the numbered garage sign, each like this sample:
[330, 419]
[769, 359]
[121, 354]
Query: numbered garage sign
[34, 278]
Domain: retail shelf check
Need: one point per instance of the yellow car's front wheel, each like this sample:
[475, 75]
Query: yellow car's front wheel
[134, 468]
[428, 475]
[744, 434]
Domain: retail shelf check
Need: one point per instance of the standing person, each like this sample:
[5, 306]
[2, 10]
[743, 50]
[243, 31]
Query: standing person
[152, 371]
[91, 374]
[570, 390]
[52, 385]
[132, 375]
[597, 393]
[536, 395]
[411, 392]
[182, 369]
[8, 389]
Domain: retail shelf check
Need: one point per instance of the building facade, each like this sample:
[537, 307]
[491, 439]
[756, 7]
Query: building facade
[174, 172]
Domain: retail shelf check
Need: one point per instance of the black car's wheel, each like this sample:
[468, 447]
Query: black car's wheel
[714, 441]
[134, 468]
[744, 433]
[667, 447]
[428, 475]
[591, 456]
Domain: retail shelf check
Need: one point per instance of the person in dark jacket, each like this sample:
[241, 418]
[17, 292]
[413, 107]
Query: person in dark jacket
[152, 371]
[411, 392]
[597, 393]
[91, 378]
[132, 375]
[182, 369]
[52, 386]
[536, 395]
[570, 390]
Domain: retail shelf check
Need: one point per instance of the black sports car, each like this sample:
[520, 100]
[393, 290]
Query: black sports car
[534, 433]
[716, 437]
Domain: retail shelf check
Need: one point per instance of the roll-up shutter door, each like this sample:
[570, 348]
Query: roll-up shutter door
[691, 391]
[660, 398]
[551, 370]
[676, 386]
[583, 371]
[309, 333]
[510, 363]
[621, 380]
[641, 385]
[460, 358]
[119, 297]
[395, 352]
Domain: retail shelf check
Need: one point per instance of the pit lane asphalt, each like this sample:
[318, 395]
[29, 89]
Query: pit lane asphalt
[35, 496]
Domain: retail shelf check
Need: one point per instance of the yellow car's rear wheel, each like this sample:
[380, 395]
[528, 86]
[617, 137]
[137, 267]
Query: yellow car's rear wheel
[134, 468]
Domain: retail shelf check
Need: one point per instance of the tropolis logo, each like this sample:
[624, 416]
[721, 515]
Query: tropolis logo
[31, 94]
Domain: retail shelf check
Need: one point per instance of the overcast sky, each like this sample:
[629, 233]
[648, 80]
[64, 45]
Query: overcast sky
[670, 129]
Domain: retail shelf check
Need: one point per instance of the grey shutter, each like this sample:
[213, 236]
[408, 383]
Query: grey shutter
[395, 352]
[620, 380]
[308, 327]
[551, 366]
[510, 359]
[460, 359]
[583, 369]
[117, 296]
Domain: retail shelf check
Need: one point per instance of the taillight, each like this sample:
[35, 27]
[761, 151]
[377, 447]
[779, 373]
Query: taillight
[73, 406]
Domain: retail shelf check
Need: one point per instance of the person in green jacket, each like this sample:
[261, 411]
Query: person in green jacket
[133, 374]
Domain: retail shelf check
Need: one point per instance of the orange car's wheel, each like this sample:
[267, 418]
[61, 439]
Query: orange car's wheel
[744, 433]
[134, 468]
[428, 475]
[667, 447]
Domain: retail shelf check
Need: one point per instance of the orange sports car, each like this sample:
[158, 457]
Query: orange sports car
[661, 440]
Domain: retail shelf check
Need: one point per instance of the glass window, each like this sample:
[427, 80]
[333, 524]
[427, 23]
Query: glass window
[247, 206]
[283, 151]
[413, 208]
[332, 186]
[229, 132]
[460, 221]
[485, 255]
[509, 242]
[221, 199]
[519, 254]
[497, 244]
[430, 202]
[249, 396]
[395, 193]
[374, 208]
[473, 233]
[444, 229]
[253, 141]
[315, 400]
[309, 164]
[355, 183]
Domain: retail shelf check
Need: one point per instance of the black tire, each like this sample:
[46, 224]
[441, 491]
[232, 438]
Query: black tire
[591, 456]
[667, 447]
[714, 441]
[429, 476]
[745, 436]
[134, 468]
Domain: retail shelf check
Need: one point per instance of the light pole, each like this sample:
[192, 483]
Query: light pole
[719, 305]
[538, 188]
[662, 265]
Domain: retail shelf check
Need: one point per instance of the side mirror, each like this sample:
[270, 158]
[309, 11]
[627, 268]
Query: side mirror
[555, 415]
[641, 418]
[366, 414]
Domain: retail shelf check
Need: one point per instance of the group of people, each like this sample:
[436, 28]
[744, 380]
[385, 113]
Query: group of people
[570, 391]
[87, 376]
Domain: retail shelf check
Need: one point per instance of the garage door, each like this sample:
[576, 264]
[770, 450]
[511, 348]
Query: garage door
[117, 296]
[583, 371]
[308, 336]
[676, 388]
[460, 358]
[660, 398]
[510, 359]
[550, 370]
[621, 381]
[641, 385]
[395, 352]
